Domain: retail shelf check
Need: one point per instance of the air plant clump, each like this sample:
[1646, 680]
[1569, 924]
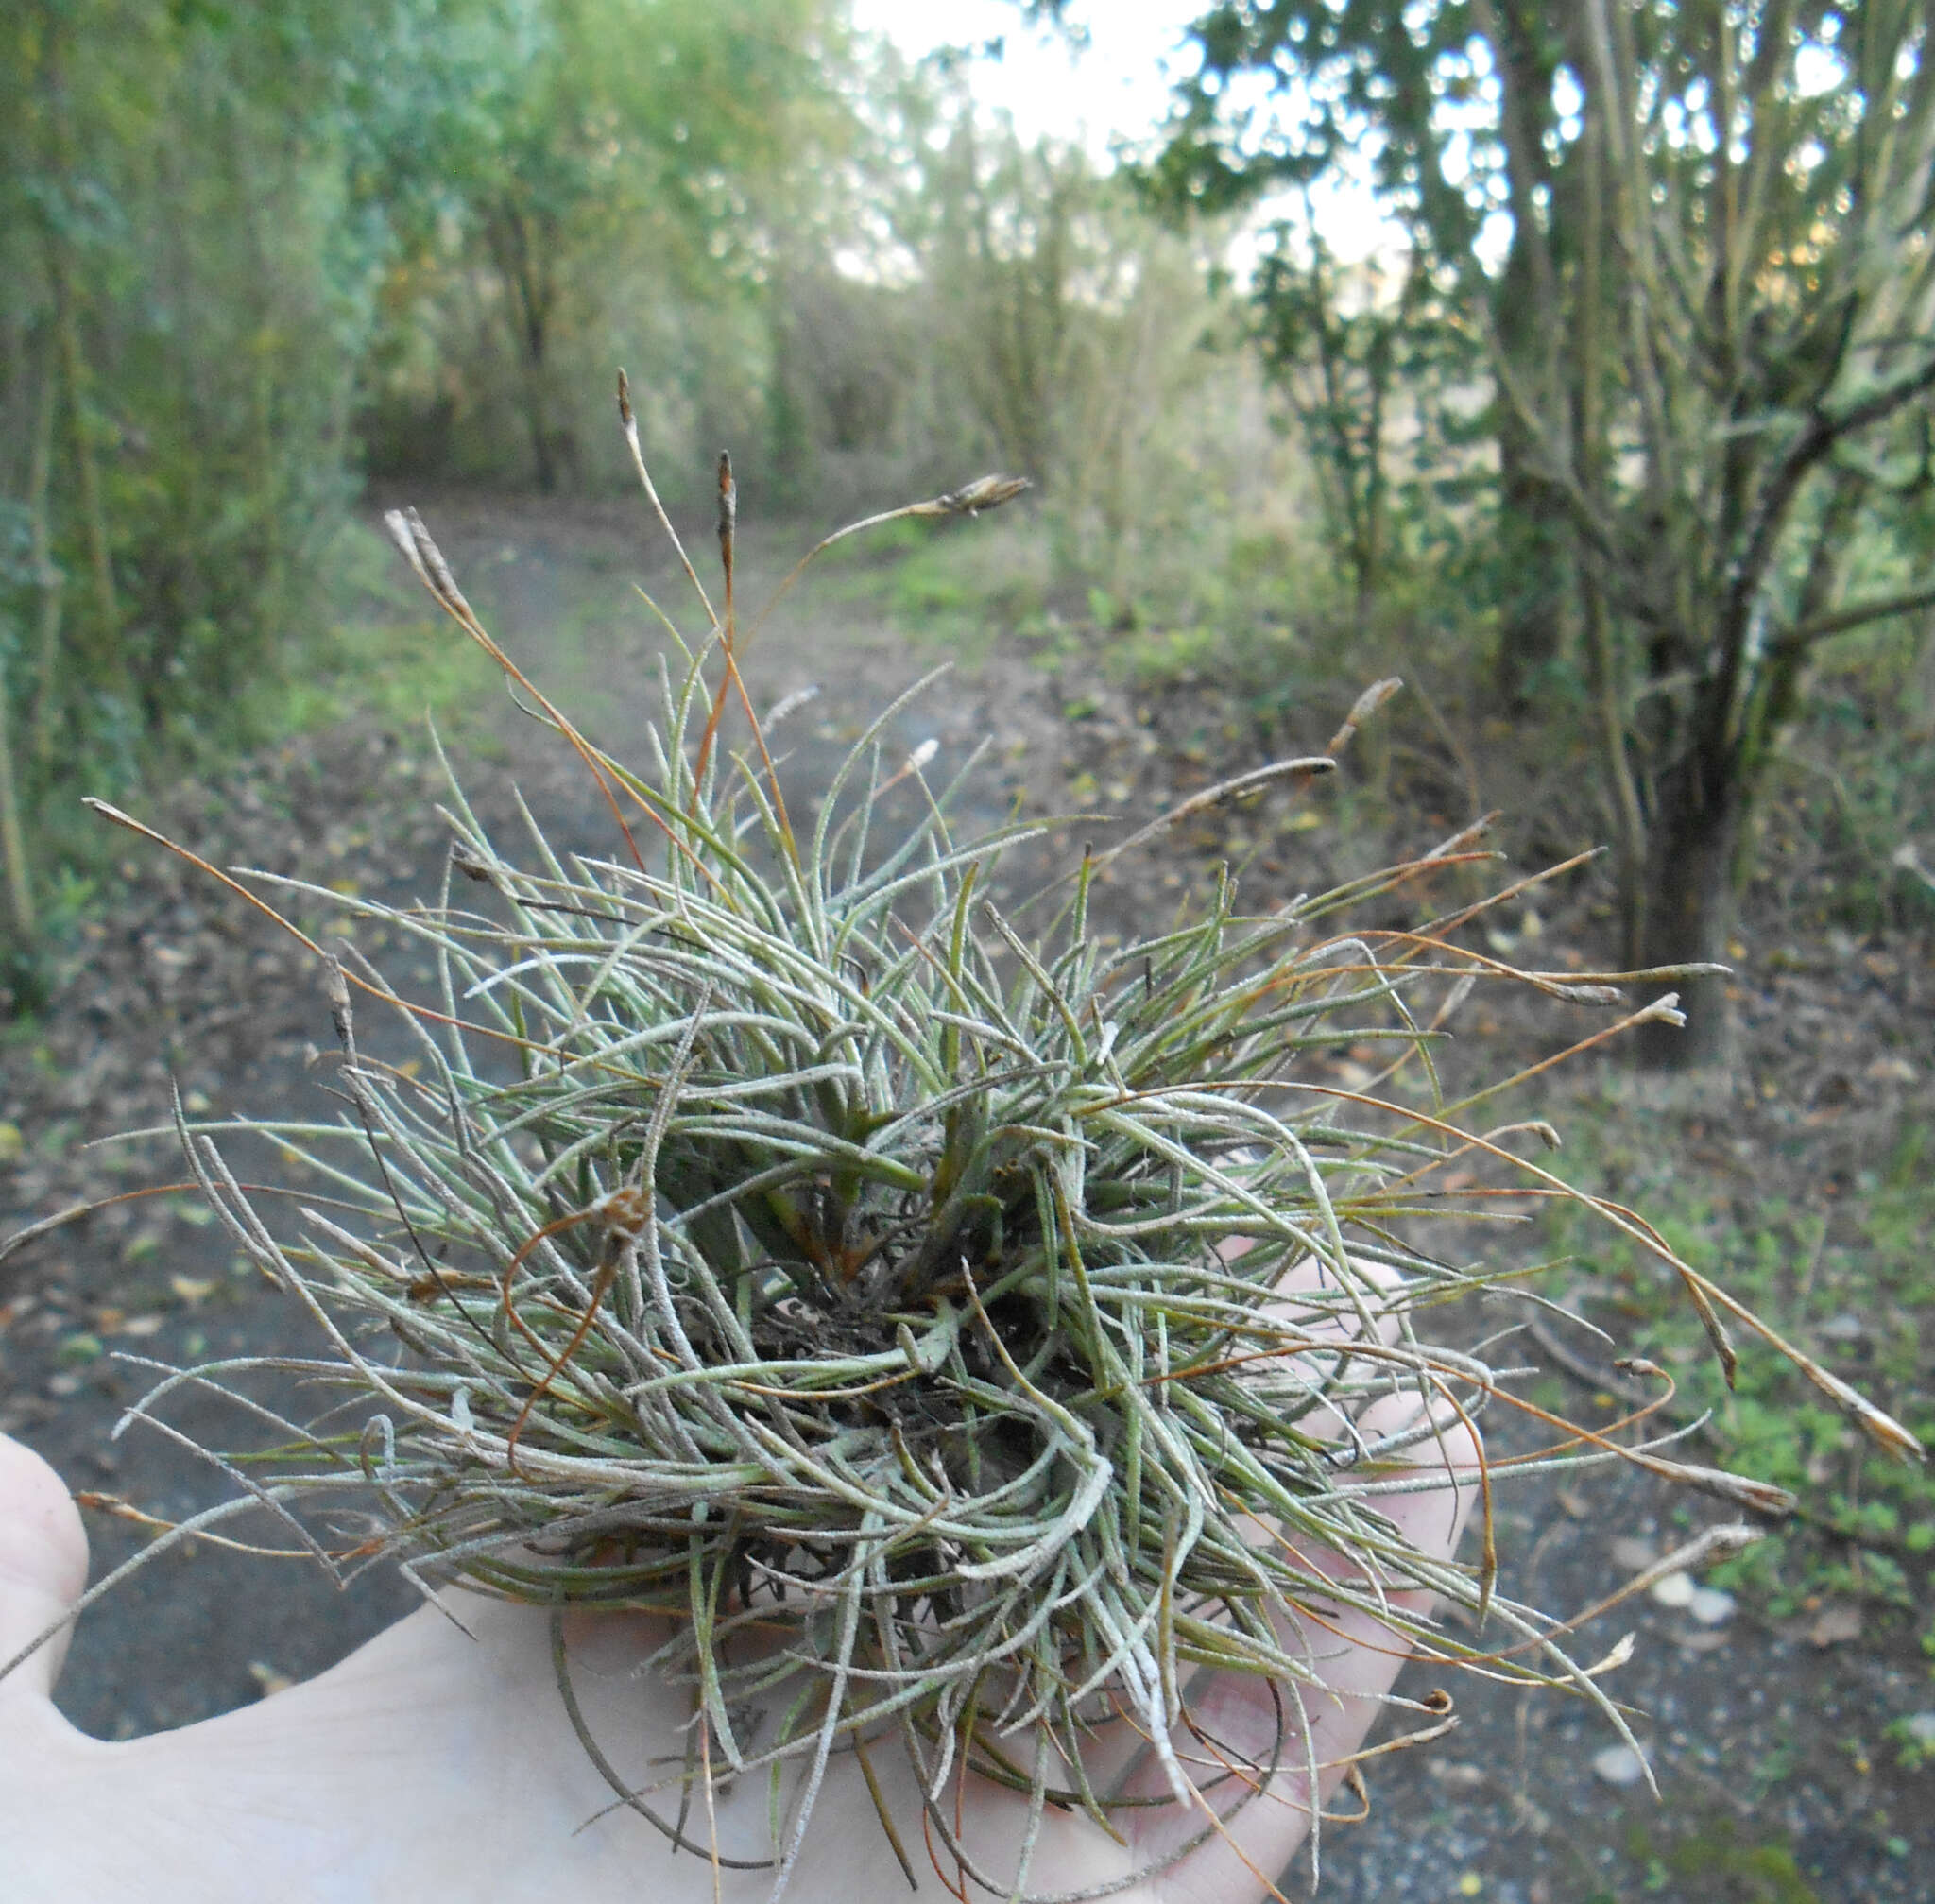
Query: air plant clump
[774, 1232]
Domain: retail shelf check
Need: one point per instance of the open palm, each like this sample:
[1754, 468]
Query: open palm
[434, 1763]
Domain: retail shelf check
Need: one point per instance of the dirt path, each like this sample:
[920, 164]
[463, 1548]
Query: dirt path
[1770, 1748]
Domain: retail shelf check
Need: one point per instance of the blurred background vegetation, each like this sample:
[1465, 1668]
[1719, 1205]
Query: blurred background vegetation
[1615, 439]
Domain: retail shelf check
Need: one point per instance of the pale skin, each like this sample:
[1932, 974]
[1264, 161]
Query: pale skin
[432, 1764]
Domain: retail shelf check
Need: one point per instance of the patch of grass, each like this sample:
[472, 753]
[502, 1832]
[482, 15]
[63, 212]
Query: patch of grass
[1848, 1280]
[1718, 1866]
[1250, 605]
[393, 673]
[382, 658]
[947, 590]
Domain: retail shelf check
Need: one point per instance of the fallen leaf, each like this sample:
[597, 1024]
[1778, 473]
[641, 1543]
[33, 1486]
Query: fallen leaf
[191, 1288]
[1837, 1622]
[1701, 1643]
[1891, 1070]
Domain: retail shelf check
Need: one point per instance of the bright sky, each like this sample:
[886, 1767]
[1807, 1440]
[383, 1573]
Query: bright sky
[1117, 89]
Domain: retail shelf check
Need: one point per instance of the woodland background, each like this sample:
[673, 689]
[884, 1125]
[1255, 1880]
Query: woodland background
[1624, 430]
[1618, 445]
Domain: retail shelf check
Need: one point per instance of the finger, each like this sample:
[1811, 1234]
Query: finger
[1355, 1655]
[1237, 1725]
[1432, 1519]
[1327, 1315]
[42, 1566]
[1306, 1304]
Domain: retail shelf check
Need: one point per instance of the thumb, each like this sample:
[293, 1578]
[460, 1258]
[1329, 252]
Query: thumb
[42, 1566]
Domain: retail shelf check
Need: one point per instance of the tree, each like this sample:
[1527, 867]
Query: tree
[667, 141]
[1360, 365]
[209, 215]
[1063, 329]
[1711, 337]
[196, 207]
[1397, 94]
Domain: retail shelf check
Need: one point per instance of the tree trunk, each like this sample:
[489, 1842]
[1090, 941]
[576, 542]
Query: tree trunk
[1691, 902]
[20, 890]
[527, 279]
[538, 420]
[1529, 327]
[107, 669]
[1534, 559]
[51, 582]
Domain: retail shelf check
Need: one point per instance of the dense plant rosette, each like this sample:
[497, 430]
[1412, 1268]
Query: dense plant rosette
[964, 1325]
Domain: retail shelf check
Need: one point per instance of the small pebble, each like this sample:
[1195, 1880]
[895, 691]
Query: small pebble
[269, 1681]
[1710, 1607]
[1618, 1765]
[1675, 1589]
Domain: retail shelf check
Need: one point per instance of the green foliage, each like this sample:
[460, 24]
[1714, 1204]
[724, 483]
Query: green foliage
[1372, 372]
[1718, 1866]
[1851, 818]
[191, 244]
[232, 237]
[622, 181]
[1677, 233]
[1914, 1749]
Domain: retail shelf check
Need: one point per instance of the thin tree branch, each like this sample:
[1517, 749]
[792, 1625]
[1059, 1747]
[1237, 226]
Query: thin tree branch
[1856, 614]
[1821, 435]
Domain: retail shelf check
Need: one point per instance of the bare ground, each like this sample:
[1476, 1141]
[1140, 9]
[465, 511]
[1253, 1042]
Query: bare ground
[1768, 1746]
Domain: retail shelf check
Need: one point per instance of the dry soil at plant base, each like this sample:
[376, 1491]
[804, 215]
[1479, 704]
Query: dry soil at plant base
[1766, 1743]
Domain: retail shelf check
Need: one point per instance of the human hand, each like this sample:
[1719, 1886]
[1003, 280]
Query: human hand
[432, 1764]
